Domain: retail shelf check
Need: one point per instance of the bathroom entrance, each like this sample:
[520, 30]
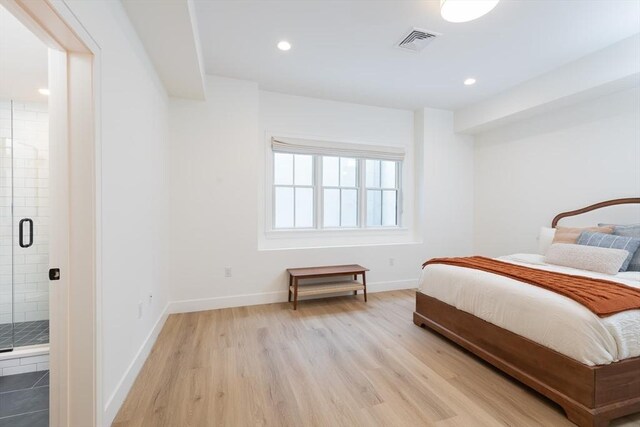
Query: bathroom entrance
[24, 225]
[49, 157]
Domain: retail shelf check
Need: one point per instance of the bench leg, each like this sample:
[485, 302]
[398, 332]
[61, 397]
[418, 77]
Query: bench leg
[295, 293]
[290, 283]
[364, 282]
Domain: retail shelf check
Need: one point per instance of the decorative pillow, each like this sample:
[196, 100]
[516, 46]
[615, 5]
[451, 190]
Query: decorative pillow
[601, 240]
[545, 237]
[592, 258]
[571, 234]
[631, 230]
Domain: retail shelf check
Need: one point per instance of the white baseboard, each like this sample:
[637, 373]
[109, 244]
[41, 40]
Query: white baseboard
[394, 285]
[115, 401]
[202, 304]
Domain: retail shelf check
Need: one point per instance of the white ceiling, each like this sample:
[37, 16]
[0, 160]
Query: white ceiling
[344, 50]
[23, 61]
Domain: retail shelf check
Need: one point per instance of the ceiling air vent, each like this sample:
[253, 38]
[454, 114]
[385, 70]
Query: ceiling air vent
[417, 39]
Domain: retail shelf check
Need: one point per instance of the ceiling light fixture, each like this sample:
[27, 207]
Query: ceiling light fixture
[470, 81]
[44, 91]
[465, 10]
[284, 45]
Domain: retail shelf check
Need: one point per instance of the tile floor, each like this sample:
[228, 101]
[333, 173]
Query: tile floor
[26, 333]
[24, 400]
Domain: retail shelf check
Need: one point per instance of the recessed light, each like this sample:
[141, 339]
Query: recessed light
[470, 81]
[44, 91]
[465, 10]
[284, 45]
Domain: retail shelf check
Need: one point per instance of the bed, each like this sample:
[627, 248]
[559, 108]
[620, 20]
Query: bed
[587, 364]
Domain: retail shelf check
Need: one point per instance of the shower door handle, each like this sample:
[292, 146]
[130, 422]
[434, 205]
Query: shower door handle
[21, 232]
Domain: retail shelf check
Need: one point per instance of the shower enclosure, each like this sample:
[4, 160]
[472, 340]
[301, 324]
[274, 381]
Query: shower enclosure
[24, 215]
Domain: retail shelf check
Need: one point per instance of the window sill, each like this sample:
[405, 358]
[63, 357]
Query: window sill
[316, 239]
[333, 232]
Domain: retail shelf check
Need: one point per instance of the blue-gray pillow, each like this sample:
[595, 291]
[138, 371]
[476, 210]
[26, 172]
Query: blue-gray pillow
[602, 240]
[631, 230]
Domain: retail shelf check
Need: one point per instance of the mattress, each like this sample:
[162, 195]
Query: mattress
[547, 318]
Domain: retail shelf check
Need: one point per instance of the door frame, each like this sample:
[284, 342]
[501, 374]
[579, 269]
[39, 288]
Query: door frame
[75, 301]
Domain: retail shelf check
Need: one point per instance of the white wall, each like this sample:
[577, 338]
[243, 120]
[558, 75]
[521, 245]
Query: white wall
[217, 186]
[528, 172]
[218, 153]
[447, 168]
[135, 201]
[303, 117]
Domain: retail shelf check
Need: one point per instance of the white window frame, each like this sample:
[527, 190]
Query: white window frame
[319, 149]
[322, 187]
[397, 189]
[313, 186]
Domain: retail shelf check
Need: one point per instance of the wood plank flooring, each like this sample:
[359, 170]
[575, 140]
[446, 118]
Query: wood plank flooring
[333, 362]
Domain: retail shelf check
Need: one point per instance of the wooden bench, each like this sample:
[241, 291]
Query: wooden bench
[297, 274]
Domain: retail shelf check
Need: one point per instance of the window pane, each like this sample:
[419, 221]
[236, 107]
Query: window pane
[282, 169]
[331, 216]
[330, 166]
[303, 169]
[373, 173]
[374, 208]
[389, 207]
[388, 174]
[348, 171]
[284, 207]
[349, 211]
[304, 207]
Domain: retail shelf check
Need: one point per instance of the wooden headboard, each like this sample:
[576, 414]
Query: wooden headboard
[590, 208]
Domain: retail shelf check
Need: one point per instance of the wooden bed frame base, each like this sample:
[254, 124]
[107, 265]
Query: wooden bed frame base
[591, 396]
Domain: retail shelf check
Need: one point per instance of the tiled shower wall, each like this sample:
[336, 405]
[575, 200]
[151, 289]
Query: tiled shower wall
[31, 200]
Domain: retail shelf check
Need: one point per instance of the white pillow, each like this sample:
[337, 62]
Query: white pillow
[545, 237]
[592, 258]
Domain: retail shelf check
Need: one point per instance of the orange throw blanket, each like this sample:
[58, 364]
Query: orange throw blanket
[602, 297]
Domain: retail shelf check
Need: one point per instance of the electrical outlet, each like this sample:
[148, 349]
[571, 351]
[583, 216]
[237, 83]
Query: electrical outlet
[392, 262]
[140, 310]
[227, 272]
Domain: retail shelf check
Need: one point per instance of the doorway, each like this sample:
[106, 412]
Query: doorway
[24, 225]
[68, 179]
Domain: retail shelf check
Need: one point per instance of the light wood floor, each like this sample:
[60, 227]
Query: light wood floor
[334, 362]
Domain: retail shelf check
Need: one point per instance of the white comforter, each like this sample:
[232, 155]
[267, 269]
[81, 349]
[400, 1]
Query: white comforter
[545, 317]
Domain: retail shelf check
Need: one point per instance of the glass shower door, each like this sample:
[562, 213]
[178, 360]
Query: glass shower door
[24, 224]
[6, 226]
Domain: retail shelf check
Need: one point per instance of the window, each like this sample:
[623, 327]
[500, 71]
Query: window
[293, 190]
[382, 193]
[335, 186]
[339, 192]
